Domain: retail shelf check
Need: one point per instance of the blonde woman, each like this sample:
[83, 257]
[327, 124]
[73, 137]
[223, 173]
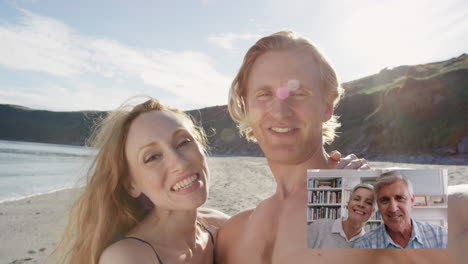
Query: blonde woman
[342, 232]
[141, 203]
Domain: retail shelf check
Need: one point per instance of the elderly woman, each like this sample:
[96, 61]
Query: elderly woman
[341, 233]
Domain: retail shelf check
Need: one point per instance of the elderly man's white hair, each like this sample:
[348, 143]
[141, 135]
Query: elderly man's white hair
[391, 177]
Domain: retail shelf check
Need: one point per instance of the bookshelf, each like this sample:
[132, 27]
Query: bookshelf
[329, 191]
[324, 198]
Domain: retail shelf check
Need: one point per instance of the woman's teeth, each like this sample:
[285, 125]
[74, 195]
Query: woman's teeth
[185, 183]
[281, 130]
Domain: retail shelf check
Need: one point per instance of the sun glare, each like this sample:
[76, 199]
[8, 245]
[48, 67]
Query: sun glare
[394, 33]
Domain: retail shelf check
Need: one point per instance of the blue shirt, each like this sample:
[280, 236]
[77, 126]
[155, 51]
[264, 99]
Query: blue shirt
[423, 235]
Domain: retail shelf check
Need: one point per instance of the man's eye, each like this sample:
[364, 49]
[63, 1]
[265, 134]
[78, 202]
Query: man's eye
[298, 94]
[152, 158]
[264, 95]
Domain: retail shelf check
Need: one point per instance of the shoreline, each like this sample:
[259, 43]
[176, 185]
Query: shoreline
[38, 194]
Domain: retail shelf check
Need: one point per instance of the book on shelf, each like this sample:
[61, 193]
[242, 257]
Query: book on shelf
[334, 183]
[323, 212]
[323, 197]
[376, 217]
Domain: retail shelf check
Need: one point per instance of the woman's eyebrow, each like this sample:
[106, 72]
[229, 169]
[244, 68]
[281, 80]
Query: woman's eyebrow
[151, 144]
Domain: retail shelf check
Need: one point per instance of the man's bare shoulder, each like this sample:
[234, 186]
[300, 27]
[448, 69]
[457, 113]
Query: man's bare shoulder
[233, 227]
[124, 252]
[237, 220]
[213, 217]
[458, 221]
[229, 233]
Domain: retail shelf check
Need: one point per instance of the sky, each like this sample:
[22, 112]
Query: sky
[66, 55]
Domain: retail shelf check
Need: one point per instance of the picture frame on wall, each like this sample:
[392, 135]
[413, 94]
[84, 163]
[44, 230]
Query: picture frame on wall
[437, 200]
[420, 200]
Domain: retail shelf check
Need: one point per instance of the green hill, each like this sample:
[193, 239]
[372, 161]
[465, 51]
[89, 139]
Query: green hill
[25, 124]
[409, 109]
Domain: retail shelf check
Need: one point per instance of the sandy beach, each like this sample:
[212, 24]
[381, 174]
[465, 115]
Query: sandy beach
[31, 228]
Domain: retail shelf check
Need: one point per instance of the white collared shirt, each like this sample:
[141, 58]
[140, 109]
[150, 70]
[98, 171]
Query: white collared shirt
[329, 233]
[338, 228]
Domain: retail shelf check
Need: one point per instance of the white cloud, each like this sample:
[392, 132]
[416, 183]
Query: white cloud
[41, 44]
[82, 96]
[47, 45]
[227, 40]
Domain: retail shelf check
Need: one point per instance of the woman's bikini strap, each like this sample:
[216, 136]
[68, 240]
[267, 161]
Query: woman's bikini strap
[211, 235]
[147, 243]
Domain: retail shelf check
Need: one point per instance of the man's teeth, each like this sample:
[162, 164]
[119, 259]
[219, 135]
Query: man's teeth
[359, 212]
[185, 183]
[281, 129]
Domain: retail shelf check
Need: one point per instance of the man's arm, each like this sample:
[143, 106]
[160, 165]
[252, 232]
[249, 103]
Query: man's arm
[458, 222]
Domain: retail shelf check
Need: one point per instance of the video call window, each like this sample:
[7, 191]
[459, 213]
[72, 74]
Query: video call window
[391, 208]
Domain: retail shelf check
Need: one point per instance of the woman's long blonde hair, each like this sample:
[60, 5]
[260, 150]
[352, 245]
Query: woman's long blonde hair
[105, 211]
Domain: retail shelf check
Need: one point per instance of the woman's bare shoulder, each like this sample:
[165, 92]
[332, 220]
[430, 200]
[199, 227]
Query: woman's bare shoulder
[126, 251]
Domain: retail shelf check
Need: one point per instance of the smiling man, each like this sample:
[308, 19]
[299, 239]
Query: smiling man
[395, 200]
[283, 97]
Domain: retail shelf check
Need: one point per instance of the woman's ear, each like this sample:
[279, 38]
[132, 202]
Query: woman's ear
[132, 188]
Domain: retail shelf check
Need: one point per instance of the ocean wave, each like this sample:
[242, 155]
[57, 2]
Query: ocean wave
[41, 153]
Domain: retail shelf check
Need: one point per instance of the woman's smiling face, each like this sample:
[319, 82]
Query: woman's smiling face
[165, 162]
[361, 205]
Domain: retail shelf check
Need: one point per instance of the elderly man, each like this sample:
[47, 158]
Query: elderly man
[283, 97]
[395, 200]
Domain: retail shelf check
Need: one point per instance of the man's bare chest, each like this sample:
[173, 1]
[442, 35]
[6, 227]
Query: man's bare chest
[272, 232]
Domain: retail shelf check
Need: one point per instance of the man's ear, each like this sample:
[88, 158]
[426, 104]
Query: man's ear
[412, 201]
[132, 188]
[328, 111]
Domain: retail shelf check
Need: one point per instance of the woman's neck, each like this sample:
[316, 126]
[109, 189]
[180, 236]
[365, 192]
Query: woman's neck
[351, 228]
[173, 228]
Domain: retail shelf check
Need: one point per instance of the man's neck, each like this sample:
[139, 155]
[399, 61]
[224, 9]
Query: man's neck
[401, 238]
[292, 178]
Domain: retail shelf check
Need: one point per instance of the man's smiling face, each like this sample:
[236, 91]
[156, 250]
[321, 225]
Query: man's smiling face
[395, 204]
[286, 124]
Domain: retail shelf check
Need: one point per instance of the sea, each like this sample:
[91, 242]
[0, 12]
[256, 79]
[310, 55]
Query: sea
[28, 169]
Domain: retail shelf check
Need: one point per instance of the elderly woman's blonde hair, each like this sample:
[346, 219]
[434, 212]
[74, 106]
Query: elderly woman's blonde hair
[367, 187]
[284, 40]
